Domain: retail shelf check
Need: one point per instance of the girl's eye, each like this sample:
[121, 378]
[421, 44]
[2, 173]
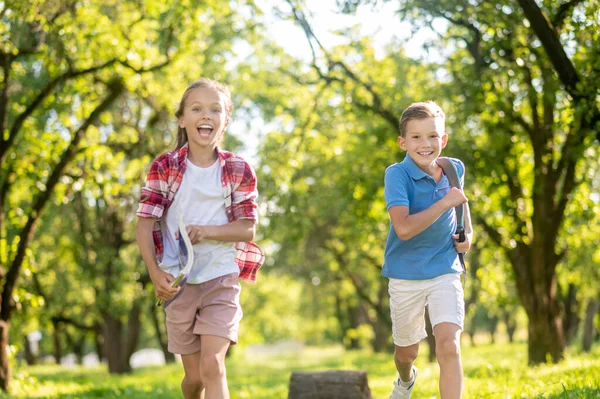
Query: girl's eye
[195, 109]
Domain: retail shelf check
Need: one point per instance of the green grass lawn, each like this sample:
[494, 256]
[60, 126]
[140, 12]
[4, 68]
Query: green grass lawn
[491, 371]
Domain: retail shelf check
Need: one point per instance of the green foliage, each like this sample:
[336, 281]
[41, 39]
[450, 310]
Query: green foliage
[498, 371]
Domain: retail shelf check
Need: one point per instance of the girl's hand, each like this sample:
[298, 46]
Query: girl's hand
[162, 285]
[462, 247]
[197, 233]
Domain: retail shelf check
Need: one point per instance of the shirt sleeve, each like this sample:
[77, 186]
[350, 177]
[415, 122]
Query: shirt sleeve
[153, 199]
[395, 191]
[243, 198]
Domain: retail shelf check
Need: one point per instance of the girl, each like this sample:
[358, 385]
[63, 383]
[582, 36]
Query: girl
[215, 191]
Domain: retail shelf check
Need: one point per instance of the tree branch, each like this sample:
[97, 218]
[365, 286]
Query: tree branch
[6, 306]
[551, 42]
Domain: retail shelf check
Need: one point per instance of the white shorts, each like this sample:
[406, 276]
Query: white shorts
[444, 295]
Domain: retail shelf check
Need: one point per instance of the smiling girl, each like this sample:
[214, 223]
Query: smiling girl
[215, 191]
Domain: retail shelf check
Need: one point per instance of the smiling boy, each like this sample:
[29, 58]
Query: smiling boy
[421, 255]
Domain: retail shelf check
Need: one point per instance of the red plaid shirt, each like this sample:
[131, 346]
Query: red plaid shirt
[239, 190]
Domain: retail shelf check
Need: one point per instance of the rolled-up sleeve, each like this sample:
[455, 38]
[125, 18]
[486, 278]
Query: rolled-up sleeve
[243, 197]
[154, 198]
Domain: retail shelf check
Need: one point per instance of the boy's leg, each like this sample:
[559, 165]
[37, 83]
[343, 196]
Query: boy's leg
[407, 308]
[447, 350]
[192, 386]
[212, 366]
[447, 313]
[404, 357]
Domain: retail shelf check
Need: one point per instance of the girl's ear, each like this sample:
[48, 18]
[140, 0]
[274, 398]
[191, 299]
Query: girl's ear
[180, 122]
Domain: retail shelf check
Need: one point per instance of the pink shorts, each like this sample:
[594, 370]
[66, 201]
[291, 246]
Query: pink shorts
[209, 308]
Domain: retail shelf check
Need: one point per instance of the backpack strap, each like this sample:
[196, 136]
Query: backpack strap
[452, 175]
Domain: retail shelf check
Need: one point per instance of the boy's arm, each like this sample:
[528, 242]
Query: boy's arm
[407, 226]
[160, 279]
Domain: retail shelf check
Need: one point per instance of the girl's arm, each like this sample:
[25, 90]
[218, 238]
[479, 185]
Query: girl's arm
[408, 226]
[160, 279]
[238, 230]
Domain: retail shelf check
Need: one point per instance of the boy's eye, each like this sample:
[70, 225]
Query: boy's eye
[216, 110]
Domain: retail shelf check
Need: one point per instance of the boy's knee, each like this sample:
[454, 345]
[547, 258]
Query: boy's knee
[212, 367]
[405, 355]
[447, 348]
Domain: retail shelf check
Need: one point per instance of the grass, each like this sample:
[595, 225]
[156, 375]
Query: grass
[491, 371]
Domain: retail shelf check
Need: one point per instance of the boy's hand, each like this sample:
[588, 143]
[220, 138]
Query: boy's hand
[462, 247]
[454, 197]
[162, 285]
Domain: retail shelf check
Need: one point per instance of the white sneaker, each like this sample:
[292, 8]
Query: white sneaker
[401, 392]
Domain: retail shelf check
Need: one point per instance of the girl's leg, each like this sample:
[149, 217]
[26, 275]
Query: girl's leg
[212, 366]
[404, 357]
[447, 350]
[192, 386]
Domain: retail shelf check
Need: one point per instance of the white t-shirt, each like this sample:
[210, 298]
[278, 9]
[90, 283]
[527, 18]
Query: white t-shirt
[200, 199]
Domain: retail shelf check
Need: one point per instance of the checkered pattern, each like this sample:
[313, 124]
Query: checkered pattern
[239, 189]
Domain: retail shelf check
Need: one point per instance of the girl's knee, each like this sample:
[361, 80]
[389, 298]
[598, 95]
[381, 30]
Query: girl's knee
[193, 382]
[211, 367]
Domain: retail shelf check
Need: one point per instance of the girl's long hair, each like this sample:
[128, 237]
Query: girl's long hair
[182, 138]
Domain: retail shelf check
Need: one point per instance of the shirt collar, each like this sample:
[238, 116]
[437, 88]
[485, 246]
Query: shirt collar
[413, 170]
[182, 154]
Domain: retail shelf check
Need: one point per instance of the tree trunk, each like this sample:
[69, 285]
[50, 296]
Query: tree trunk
[537, 290]
[492, 328]
[381, 328]
[511, 326]
[571, 318]
[114, 348]
[169, 357]
[4, 366]
[30, 357]
[545, 337]
[99, 344]
[338, 384]
[588, 326]
[56, 341]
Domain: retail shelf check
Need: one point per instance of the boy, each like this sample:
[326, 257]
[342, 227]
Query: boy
[421, 255]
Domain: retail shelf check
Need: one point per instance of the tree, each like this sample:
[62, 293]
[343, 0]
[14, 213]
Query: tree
[64, 66]
[527, 80]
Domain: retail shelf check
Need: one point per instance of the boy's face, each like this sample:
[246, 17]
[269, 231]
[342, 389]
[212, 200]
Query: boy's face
[204, 117]
[424, 140]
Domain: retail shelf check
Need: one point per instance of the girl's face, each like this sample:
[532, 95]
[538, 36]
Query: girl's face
[204, 117]
[423, 141]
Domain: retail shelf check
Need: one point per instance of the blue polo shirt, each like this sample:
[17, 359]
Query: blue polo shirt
[430, 253]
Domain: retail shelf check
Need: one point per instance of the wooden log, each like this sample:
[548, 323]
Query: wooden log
[335, 384]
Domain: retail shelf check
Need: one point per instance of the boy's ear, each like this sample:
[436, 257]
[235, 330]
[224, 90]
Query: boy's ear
[444, 140]
[402, 143]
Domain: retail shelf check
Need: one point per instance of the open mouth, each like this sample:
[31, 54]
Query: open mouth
[205, 130]
[425, 154]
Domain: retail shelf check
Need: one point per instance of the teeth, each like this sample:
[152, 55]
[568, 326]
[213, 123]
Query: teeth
[204, 127]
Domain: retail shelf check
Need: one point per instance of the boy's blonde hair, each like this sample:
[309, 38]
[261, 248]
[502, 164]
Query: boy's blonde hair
[420, 110]
[202, 82]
